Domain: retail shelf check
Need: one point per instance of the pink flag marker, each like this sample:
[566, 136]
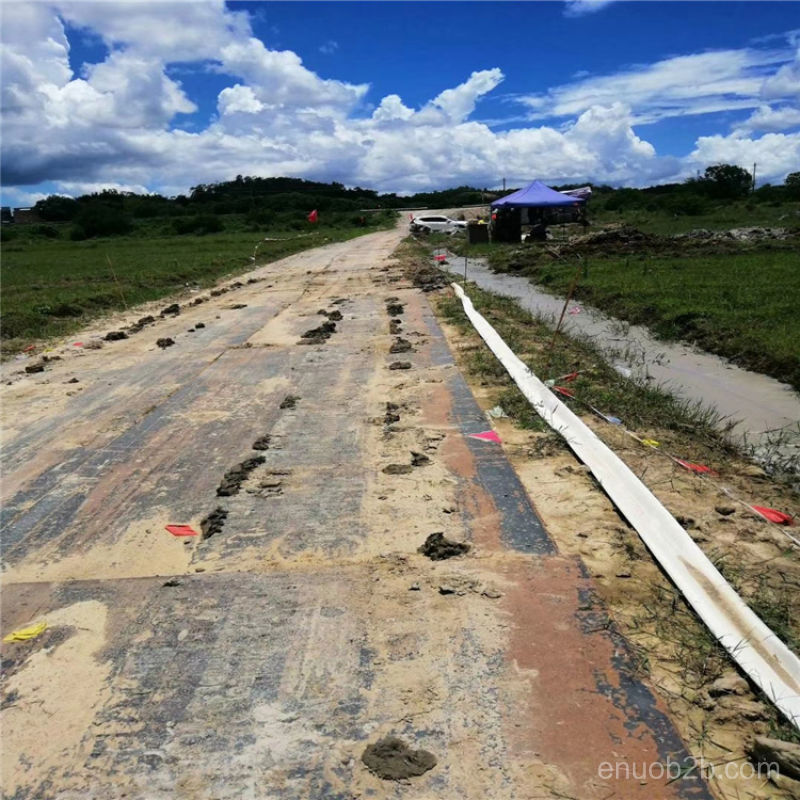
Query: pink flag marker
[181, 530]
[486, 436]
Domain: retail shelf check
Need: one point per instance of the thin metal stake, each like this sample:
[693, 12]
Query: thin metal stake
[465, 272]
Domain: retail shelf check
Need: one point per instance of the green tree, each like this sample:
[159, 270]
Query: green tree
[727, 181]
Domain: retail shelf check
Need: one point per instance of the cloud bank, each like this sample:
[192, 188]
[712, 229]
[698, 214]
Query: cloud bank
[118, 122]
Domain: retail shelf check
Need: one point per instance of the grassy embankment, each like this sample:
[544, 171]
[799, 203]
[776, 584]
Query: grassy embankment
[51, 287]
[736, 299]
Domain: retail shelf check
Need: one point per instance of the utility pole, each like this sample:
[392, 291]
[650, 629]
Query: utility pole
[504, 184]
[754, 177]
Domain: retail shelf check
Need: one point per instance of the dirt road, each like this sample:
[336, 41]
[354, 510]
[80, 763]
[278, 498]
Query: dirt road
[260, 660]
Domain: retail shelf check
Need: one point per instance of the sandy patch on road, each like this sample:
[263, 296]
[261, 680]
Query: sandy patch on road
[52, 698]
[144, 549]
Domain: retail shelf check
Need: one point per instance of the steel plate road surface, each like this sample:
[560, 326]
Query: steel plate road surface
[260, 660]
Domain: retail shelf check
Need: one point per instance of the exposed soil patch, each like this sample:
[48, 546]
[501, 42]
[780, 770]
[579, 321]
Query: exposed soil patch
[429, 278]
[213, 523]
[400, 365]
[395, 327]
[392, 759]
[115, 336]
[232, 480]
[290, 401]
[401, 345]
[438, 547]
[171, 310]
[394, 309]
[165, 342]
[262, 443]
[319, 334]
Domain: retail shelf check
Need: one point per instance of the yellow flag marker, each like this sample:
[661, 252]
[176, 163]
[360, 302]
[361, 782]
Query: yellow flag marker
[23, 634]
[651, 442]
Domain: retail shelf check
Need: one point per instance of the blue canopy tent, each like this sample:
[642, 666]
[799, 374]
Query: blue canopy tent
[536, 195]
[537, 200]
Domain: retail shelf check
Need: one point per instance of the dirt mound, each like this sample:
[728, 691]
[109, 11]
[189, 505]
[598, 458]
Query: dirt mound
[394, 309]
[290, 401]
[401, 346]
[115, 336]
[262, 443]
[392, 759]
[437, 547]
[400, 365]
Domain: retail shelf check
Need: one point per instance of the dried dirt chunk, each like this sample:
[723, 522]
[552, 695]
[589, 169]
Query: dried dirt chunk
[262, 443]
[34, 368]
[319, 334]
[392, 759]
[419, 459]
[115, 336]
[394, 309]
[173, 309]
[290, 401]
[437, 547]
[400, 365]
[233, 479]
[401, 345]
[397, 469]
[213, 523]
[165, 342]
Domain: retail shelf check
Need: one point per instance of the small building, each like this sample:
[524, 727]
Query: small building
[23, 216]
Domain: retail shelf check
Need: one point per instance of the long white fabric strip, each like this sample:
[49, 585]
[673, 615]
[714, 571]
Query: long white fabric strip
[750, 643]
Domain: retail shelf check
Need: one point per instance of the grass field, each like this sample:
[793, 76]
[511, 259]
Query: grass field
[51, 287]
[737, 300]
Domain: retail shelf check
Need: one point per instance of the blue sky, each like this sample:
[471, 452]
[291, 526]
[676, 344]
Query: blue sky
[396, 96]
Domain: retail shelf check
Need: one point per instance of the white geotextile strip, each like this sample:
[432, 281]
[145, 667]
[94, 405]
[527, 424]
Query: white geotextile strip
[751, 644]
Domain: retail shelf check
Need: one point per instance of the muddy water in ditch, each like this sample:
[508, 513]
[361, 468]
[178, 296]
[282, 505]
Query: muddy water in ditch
[760, 406]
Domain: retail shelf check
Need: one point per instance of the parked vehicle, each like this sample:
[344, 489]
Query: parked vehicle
[428, 223]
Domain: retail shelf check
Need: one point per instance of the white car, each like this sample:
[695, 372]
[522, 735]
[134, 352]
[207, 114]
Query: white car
[436, 222]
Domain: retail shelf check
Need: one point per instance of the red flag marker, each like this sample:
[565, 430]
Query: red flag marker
[440, 258]
[773, 515]
[698, 468]
[486, 436]
[181, 530]
[563, 390]
[313, 216]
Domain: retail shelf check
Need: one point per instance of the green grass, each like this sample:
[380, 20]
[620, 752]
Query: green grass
[51, 287]
[736, 300]
[719, 216]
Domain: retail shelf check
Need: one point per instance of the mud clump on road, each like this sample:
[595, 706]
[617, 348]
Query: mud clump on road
[171, 310]
[115, 336]
[320, 334]
[400, 365]
[438, 548]
[200, 325]
[290, 401]
[140, 324]
[233, 479]
[164, 343]
[394, 327]
[391, 414]
[237, 306]
[334, 316]
[262, 443]
[393, 307]
[401, 345]
[419, 459]
[397, 469]
[429, 279]
[213, 523]
[31, 368]
[392, 759]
